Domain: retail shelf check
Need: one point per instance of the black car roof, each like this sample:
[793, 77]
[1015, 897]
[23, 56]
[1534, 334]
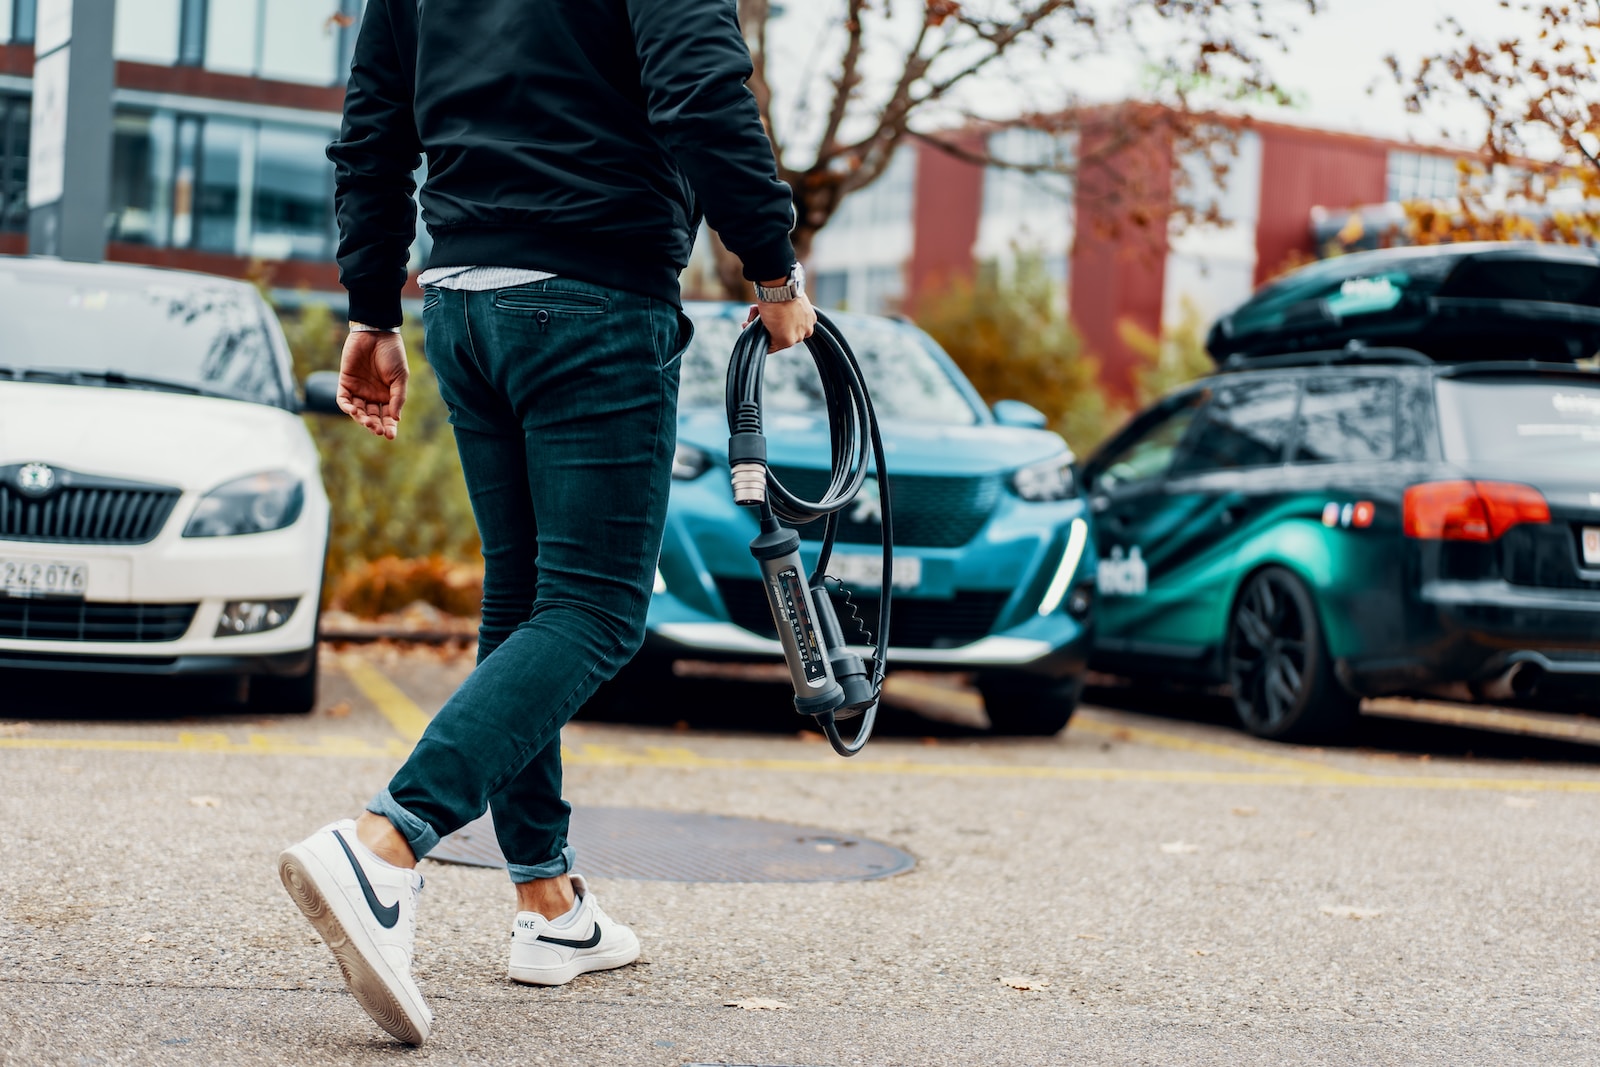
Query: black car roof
[1452, 303]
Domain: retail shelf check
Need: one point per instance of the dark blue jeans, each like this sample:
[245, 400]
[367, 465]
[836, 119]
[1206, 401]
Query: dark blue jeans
[564, 400]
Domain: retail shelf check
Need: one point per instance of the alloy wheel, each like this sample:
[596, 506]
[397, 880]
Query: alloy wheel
[1269, 652]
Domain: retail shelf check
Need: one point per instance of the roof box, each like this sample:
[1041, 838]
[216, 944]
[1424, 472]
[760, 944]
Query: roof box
[1453, 303]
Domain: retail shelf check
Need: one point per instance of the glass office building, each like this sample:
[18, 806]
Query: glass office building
[222, 112]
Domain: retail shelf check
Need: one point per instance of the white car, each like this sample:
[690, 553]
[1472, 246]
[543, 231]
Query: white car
[161, 503]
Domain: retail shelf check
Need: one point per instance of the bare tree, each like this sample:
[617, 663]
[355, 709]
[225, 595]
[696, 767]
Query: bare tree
[947, 53]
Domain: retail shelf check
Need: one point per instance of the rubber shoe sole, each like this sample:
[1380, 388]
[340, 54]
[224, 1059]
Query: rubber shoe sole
[366, 972]
[619, 957]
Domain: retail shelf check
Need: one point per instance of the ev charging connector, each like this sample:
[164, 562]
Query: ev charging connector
[831, 682]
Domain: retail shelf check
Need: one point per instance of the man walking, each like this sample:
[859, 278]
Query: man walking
[571, 150]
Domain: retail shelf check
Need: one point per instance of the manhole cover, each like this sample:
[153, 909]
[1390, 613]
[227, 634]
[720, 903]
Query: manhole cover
[668, 846]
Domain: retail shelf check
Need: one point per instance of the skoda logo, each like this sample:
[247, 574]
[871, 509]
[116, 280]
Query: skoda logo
[36, 479]
[869, 505]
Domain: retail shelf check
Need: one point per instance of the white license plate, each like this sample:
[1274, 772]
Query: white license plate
[1591, 546]
[864, 573]
[38, 578]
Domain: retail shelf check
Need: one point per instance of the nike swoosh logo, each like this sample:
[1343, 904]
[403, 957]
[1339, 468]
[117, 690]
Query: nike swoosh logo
[591, 942]
[387, 915]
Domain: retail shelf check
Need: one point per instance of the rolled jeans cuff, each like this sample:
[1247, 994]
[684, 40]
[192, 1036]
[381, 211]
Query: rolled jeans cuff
[549, 869]
[419, 834]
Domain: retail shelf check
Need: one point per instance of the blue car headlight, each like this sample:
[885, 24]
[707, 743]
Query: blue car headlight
[257, 503]
[689, 463]
[1050, 480]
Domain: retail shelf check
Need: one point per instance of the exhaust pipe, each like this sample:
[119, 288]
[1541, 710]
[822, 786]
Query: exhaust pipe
[1519, 682]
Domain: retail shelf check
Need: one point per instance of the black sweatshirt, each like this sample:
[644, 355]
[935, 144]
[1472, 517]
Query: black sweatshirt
[582, 137]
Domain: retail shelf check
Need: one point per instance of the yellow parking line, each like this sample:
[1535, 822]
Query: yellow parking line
[340, 747]
[678, 758]
[408, 720]
[1090, 724]
[956, 700]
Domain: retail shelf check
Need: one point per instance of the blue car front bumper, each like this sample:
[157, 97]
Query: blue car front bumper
[974, 608]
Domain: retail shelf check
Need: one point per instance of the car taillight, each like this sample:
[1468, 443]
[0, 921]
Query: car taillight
[1471, 511]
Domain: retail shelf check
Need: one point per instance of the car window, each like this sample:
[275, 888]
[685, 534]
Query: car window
[1149, 455]
[211, 338]
[1346, 420]
[1246, 425]
[1554, 422]
[906, 380]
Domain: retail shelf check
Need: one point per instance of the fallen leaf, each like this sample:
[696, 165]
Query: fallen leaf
[1025, 984]
[1352, 913]
[1201, 951]
[1521, 802]
[147, 939]
[1305, 833]
[340, 710]
[14, 729]
[1090, 937]
[756, 1004]
[1245, 811]
[1179, 848]
[205, 802]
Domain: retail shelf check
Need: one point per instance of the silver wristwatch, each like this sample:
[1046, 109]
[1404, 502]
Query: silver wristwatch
[791, 290]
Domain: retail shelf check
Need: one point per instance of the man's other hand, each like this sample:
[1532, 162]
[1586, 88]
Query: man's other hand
[372, 381]
[789, 322]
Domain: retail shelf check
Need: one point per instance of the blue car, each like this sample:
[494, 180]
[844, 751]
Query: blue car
[994, 565]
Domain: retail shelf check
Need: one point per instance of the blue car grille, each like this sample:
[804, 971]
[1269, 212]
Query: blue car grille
[81, 620]
[960, 620]
[930, 511]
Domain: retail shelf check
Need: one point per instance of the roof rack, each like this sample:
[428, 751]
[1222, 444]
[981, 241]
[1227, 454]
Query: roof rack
[1354, 352]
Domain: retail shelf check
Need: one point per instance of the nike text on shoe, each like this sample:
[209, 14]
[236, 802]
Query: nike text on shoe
[542, 954]
[366, 912]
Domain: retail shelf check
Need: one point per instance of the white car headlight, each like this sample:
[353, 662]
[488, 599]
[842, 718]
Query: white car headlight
[1050, 480]
[253, 504]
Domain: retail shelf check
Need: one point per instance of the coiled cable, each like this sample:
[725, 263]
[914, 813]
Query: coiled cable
[856, 449]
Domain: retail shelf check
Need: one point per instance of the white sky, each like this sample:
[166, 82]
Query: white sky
[1331, 63]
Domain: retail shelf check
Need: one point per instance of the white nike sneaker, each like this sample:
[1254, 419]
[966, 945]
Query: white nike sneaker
[366, 911]
[542, 954]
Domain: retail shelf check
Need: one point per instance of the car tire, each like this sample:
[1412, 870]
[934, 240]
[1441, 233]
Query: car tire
[294, 694]
[1282, 677]
[1023, 705]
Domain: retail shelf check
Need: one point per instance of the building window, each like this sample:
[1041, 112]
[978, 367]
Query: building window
[24, 16]
[293, 195]
[192, 33]
[13, 163]
[1042, 195]
[239, 188]
[887, 201]
[830, 288]
[1416, 176]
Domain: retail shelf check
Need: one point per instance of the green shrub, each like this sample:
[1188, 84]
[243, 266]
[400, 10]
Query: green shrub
[1009, 333]
[402, 498]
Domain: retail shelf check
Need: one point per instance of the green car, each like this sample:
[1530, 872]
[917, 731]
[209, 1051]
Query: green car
[1334, 516]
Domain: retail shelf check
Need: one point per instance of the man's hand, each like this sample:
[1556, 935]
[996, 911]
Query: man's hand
[789, 322]
[372, 381]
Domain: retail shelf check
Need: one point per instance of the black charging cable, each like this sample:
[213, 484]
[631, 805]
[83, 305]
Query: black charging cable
[831, 682]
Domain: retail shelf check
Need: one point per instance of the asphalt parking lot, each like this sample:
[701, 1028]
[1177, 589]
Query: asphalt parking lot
[1151, 886]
